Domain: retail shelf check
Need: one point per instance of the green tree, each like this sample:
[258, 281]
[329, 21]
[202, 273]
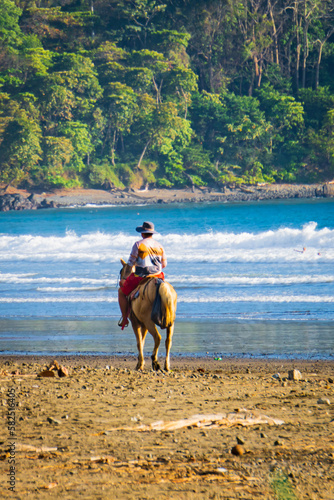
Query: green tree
[322, 149]
[233, 128]
[120, 104]
[20, 137]
[10, 41]
[286, 116]
[58, 152]
[79, 136]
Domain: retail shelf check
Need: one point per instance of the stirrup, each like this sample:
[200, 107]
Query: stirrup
[123, 323]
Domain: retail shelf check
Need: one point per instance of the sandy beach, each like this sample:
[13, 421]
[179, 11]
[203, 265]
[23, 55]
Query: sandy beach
[89, 434]
[210, 429]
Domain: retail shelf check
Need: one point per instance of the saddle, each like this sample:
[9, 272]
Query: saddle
[135, 294]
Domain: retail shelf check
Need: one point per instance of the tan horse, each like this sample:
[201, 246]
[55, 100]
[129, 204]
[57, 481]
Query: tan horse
[140, 317]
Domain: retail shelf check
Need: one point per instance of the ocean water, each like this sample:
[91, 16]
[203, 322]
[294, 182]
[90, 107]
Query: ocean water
[253, 279]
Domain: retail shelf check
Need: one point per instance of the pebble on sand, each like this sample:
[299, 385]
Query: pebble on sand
[237, 450]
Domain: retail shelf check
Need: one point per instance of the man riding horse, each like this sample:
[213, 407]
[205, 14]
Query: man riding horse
[148, 257]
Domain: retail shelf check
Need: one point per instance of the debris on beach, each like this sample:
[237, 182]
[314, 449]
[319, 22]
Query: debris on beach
[62, 371]
[243, 417]
[54, 421]
[54, 367]
[323, 401]
[49, 486]
[294, 375]
[46, 373]
[103, 459]
[38, 449]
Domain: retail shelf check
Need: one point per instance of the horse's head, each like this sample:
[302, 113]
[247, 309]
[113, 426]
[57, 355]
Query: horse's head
[126, 269]
[121, 273]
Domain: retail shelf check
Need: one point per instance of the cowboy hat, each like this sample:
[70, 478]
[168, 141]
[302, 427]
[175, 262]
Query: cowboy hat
[147, 227]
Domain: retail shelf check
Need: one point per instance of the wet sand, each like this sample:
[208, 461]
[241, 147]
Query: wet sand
[66, 443]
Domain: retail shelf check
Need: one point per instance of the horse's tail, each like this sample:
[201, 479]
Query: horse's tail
[168, 304]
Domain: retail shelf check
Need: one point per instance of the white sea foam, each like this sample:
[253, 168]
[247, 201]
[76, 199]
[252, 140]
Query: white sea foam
[261, 298]
[22, 279]
[44, 300]
[185, 281]
[53, 289]
[15, 276]
[71, 247]
[285, 245]
[282, 245]
[184, 299]
[176, 280]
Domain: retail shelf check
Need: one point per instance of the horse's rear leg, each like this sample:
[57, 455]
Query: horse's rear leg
[168, 343]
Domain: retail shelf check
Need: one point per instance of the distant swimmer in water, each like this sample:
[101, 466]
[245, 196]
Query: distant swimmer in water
[300, 251]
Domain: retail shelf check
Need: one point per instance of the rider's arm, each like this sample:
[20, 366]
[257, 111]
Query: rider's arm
[132, 260]
[163, 260]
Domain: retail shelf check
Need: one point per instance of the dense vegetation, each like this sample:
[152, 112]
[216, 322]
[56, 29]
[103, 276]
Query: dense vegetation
[166, 92]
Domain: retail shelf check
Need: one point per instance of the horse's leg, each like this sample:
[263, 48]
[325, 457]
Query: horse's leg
[168, 343]
[140, 334]
[157, 339]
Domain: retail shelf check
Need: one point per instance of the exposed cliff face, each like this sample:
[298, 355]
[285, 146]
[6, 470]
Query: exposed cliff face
[82, 197]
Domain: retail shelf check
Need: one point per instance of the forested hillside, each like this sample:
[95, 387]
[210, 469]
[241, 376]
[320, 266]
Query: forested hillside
[105, 93]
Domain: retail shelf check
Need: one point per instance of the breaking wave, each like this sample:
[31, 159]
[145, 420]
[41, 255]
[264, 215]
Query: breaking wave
[283, 245]
[180, 281]
[184, 299]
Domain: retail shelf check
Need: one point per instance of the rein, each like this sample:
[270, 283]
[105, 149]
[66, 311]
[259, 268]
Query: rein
[148, 281]
[119, 278]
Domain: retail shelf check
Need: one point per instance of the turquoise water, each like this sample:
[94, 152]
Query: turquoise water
[245, 286]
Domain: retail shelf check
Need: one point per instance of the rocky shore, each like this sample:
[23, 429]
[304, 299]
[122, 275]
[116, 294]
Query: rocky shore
[15, 199]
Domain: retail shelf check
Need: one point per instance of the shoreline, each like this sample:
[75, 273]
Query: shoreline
[18, 199]
[177, 362]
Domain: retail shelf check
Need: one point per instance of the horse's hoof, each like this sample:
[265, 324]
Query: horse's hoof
[155, 366]
[139, 368]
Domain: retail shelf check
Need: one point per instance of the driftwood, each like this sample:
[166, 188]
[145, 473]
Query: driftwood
[29, 447]
[243, 418]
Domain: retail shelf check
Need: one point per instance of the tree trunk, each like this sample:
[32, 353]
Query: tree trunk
[185, 103]
[113, 149]
[288, 56]
[297, 25]
[191, 180]
[257, 69]
[143, 154]
[321, 46]
[158, 90]
[260, 75]
[305, 44]
[317, 70]
[271, 13]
